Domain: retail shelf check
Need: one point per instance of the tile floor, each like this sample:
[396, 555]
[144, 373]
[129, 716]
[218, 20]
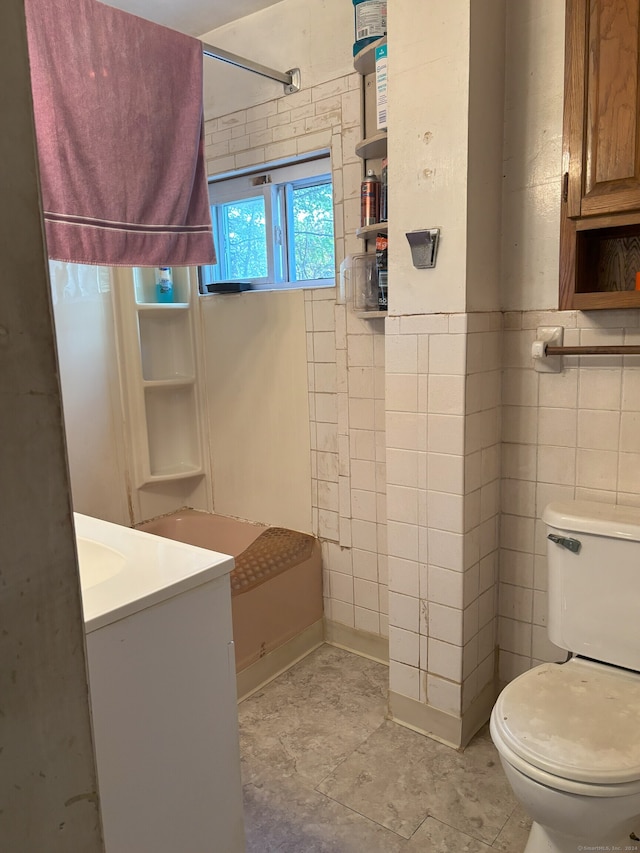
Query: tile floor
[324, 772]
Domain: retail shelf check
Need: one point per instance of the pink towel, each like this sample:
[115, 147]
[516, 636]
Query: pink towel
[119, 126]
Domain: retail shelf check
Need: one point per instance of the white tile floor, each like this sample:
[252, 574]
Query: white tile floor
[324, 772]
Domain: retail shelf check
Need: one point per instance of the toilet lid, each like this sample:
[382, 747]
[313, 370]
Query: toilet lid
[579, 720]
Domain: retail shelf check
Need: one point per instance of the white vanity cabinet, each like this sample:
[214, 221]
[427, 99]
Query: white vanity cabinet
[163, 692]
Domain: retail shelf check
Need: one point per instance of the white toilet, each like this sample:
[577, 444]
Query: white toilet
[568, 734]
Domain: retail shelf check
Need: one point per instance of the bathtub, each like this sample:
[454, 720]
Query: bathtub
[276, 588]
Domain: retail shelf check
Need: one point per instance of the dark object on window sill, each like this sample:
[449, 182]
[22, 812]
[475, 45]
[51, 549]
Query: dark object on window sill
[226, 287]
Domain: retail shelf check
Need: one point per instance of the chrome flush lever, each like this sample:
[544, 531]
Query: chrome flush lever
[572, 544]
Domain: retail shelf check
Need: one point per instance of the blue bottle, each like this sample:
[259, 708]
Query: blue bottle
[370, 22]
[164, 284]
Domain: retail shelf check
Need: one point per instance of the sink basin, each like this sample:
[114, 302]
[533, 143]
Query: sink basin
[97, 562]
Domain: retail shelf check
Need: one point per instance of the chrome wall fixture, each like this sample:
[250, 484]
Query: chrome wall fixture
[289, 79]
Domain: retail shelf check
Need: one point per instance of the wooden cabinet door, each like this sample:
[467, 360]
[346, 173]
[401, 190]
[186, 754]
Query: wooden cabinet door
[602, 119]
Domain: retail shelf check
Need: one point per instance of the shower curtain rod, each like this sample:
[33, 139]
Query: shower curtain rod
[290, 79]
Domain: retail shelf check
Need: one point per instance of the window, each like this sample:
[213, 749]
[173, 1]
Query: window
[273, 229]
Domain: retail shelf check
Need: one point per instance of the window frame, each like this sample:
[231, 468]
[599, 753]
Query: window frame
[274, 182]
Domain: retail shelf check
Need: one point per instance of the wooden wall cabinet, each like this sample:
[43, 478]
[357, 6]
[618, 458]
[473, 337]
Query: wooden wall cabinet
[600, 224]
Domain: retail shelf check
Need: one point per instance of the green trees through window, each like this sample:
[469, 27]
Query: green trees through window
[275, 229]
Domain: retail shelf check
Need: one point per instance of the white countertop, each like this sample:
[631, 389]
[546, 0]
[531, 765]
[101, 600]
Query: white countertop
[123, 570]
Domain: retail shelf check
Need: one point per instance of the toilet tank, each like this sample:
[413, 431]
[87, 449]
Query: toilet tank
[594, 594]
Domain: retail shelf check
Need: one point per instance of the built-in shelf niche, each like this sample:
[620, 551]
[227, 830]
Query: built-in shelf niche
[161, 368]
[145, 288]
[166, 347]
[172, 432]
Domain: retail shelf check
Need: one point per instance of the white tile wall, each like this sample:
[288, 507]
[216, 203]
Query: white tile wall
[567, 435]
[443, 431]
[346, 356]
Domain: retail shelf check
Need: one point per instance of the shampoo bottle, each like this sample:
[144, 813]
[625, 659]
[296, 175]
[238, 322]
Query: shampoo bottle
[164, 284]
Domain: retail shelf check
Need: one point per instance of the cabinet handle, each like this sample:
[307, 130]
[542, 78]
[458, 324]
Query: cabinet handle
[565, 187]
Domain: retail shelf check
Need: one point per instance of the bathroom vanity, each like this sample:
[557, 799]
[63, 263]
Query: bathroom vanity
[163, 694]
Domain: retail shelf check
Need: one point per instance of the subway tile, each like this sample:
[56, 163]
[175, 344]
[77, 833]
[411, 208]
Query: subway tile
[518, 497]
[631, 390]
[404, 612]
[404, 576]
[629, 433]
[446, 395]
[341, 587]
[406, 431]
[362, 444]
[326, 437]
[360, 350]
[402, 504]
[557, 465]
[365, 594]
[361, 414]
[445, 472]
[361, 382]
[515, 636]
[445, 434]
[559, 390]
[489, 501]
[517, 533]
[447, 354]
[445, 586]
[597, 469]
[629, 472]
[516, 350]
[444, 695]
[520, 387]
[402, 467]
[445, 511]
[472, 471]
[519, 461]
[403, 540]
[557, 427]
[363, 475]
[366, 620]
[600, 388]
[404, 680]
[328, 524]
[404, 646]
[444, 660]
[402, 354]
[336, 558]
[547, 493]
[446, 549]
[424, 324]
[364, 535]
[402, 392]
[512, 665]
[327, 495]
[516, 602]
[363, 505]
[491, 467]
[343, 613]
[445, 623]
[600, 430]
[470, 621]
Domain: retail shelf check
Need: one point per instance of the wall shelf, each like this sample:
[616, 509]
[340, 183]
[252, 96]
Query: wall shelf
[364, 62]
[368, 232]
[373, 147]
[176, 382]
[160, 368]
[161, 308]
[371, 315]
